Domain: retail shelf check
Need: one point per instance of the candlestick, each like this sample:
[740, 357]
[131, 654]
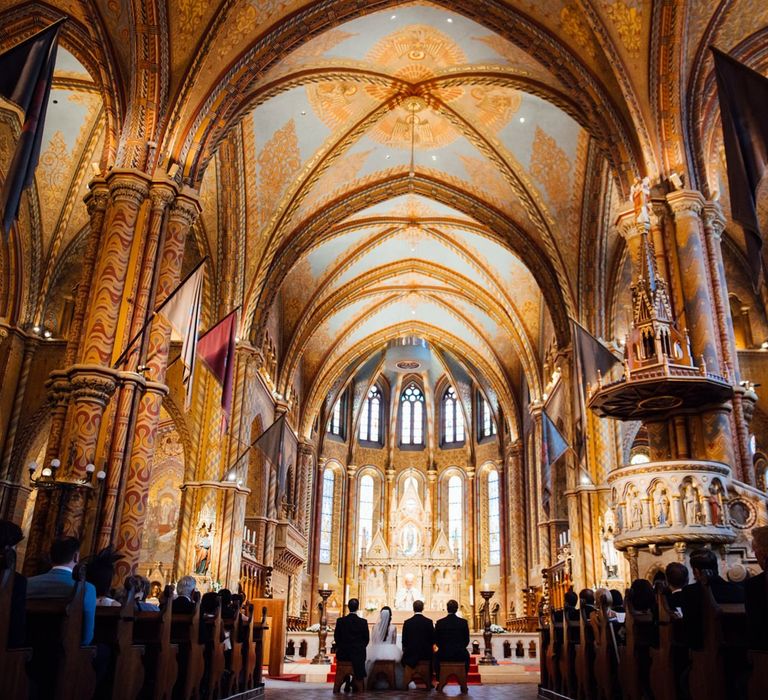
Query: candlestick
[322, 633]
[488, 658]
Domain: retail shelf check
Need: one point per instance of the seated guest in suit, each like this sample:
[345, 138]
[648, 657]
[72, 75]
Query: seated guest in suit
[183, 602]
[677, 579]
[642, 595]
[570, 600]
[418, 638]
[451, 637]
[351, 636]
[756, 599]
[140, 587]
[59, 583]
[10, 536]
[705, 573]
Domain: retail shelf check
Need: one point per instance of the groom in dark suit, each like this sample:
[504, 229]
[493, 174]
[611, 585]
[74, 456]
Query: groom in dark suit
[418, 638]
[351, 636]
[451, 637]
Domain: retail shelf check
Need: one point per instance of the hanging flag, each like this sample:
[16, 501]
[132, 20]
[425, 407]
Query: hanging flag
[553, 445]
[743, 96]
[590, 356]
[182, 310]
[279, 446]
[217, 349]
[26, 73]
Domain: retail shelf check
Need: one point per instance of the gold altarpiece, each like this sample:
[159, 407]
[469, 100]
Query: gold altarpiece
[412, 563]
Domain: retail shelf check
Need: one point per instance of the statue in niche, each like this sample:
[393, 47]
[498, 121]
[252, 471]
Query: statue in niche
[716, 504]
[690, 503]
[641, 200]
[609, 554]
[203, 549]
[662, 507]
[633, 502]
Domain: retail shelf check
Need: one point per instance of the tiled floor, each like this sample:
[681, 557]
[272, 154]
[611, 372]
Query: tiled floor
[280, 690]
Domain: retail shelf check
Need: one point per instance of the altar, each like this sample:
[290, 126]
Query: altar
[411, 563]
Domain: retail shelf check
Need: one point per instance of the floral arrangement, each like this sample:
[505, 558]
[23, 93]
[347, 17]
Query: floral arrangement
[497, 629]
[313, 628]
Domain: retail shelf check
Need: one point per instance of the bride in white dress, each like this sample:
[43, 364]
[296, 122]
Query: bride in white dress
[383, 643]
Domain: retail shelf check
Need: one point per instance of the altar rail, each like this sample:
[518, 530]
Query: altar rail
[647, 656]
[134, 653]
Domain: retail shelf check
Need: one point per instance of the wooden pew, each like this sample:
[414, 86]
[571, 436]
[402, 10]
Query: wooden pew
[757, 688]
[153, 630]
[258, 638]
[248, 652]
[185, 633]
[634, 655]
[60, 669]
[114, 629]
[554, 651]
[235, 656]
[585, 658]
[13, 671]
[606, 652]
[210, 687]
[569, 685]
[718, 669]
[670, 655]
[545, 635]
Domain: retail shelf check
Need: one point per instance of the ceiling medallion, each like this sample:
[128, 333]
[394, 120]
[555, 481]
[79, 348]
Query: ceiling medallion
[408, 365]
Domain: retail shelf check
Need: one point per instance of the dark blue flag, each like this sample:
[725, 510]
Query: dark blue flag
[553, 445]
[743, 95]
[26, 73]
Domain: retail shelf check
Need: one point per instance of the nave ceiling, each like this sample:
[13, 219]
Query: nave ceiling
[369, 170]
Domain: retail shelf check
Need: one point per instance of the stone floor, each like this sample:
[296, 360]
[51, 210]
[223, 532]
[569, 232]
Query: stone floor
[279, 690]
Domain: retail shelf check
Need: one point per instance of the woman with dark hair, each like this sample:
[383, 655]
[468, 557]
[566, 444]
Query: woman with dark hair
[10, 536]
[99, 570]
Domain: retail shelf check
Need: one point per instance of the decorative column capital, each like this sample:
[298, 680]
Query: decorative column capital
[92, 383]
[161, 194]
[352, 470]
[96, 200]
[686, 203]
[59, 388]
[628, 224]
[128, 186]
[185, 210]
[714, 219]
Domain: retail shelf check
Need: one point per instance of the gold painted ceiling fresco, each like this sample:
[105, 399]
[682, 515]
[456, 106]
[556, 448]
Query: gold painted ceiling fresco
[443, 168]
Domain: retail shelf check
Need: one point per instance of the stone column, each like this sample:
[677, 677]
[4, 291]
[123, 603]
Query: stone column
[516, 523]
[714, 223]
[350, 498]
[133, 504]
[161, 195]
[96, 201]
[687, 207]
[542, 519]
[93, 380]
[314, 548]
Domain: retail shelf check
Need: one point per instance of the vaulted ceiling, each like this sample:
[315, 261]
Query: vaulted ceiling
[369, 170]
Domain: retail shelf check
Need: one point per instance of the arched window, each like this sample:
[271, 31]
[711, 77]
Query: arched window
[334, 425]
[370, 417]
[486, 424]
[326, 516]
[412, 416]
[365, 513]
[455, 513]
[494, 520]
[453, 419]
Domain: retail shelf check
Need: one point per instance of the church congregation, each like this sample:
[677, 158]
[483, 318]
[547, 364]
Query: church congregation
[383, 347]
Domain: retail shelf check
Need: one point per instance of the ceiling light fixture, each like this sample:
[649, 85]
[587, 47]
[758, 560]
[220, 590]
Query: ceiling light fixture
[393, 17]
[449, 20]
[522, 120]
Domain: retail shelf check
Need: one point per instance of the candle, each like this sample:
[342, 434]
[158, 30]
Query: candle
[325, 586]
[485, 586]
